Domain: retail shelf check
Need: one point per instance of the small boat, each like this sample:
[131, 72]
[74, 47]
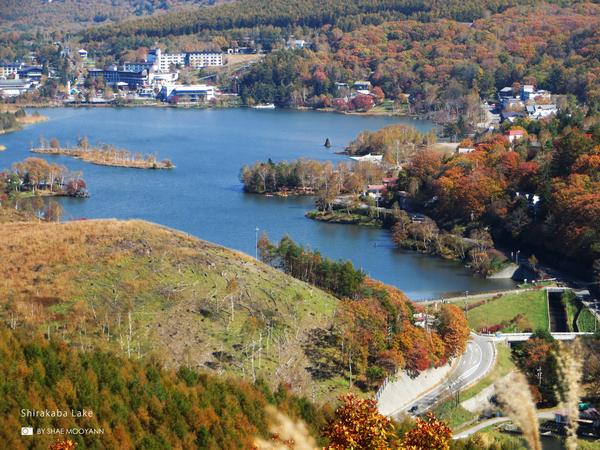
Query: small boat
[327, 143]
[265, 106]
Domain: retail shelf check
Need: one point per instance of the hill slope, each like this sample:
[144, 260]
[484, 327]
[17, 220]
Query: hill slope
[135, 404]
[74, 14]
[138, 289]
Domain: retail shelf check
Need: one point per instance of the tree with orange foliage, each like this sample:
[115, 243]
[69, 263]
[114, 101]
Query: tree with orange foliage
[63, 445]
[453, 329]
[359, 425]
[429, 433]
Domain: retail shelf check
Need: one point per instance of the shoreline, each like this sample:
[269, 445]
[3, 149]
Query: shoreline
[201, 106]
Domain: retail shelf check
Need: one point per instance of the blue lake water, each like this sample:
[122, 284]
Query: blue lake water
[203, 195]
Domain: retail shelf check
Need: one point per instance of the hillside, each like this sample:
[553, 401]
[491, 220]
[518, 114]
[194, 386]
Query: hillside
[137, 404]
[139, 289]
[73, 14]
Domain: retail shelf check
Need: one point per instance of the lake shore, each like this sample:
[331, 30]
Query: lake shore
[209, 147]
[156, 104]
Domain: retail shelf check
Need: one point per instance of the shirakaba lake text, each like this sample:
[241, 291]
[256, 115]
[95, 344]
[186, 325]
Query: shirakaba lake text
[57, 413]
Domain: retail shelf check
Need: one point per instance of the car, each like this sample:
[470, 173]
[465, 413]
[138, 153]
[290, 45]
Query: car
[413, 409]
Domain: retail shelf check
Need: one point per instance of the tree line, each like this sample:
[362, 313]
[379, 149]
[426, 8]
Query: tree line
[36, 174]
[542, 191]
[248, 14]
[374, 333]
[323, 179]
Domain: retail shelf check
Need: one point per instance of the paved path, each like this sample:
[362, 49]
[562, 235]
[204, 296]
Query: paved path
[474, 364]
[496, 420]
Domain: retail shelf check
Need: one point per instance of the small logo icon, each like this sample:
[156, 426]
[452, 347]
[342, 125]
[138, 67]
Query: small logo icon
[26, 431]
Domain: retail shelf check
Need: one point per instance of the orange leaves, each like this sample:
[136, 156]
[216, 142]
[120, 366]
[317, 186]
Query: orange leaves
[359, 425]
[64, 445]
[453, 329]
[429, 433]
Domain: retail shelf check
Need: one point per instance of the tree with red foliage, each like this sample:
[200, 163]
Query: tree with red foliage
[76, 187]
[362, 102]
[378, 94]
[340, 104]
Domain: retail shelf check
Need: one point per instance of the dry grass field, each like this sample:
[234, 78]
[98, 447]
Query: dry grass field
[140, 289]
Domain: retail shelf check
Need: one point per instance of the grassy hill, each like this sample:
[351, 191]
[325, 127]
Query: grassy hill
[139, 289]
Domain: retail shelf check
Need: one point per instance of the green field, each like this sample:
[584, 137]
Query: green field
[586, 321]
[517, 312]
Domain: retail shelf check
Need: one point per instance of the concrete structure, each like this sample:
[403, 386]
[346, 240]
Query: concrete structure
[362, 87]
[368, 158]
[521, 337]
[375, 190]
[527, 92]
[167, 60]
[541, 111]
[419, 394]
[515, 135]
[198, 60]
[33, 73]
[133, 80]
[10, 69]
[187, 93]
[295, 43]
[14, 88]
[139, 66]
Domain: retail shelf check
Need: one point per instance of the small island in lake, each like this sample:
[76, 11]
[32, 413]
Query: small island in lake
[104, 155]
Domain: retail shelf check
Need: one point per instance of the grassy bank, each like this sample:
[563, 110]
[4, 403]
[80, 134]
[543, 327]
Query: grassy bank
[586, 322]
[514, 312]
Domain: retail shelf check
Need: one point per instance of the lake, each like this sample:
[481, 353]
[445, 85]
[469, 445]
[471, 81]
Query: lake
[204, 197]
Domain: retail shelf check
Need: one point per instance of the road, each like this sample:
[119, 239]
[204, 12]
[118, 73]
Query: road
[474, 364]
[545, 415]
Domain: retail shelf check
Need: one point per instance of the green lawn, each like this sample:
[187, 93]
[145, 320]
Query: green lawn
[586, 321]
[530, 305]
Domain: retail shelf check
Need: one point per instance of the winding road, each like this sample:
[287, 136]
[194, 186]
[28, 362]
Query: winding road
[473, 365]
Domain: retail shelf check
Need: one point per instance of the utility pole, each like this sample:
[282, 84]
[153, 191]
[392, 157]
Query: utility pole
[256, 230]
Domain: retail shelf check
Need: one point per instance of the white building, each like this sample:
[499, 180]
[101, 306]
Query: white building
[541, 111]
[197, 60]
[187, 93]
[139, 66]
[296, 43]
[167, 60]
[14, 88]
[363, 87]
[8, 69]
